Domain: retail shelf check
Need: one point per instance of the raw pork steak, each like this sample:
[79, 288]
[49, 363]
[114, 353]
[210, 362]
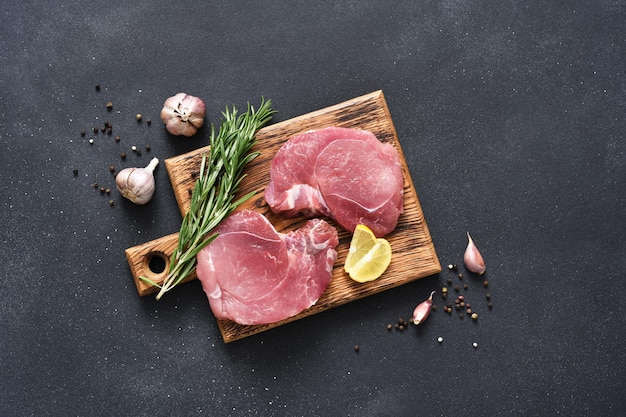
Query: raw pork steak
[254, 275]
[346, 174]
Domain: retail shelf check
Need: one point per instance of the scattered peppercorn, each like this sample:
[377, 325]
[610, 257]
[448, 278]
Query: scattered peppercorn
[488, 296]
[389, 326]
[138, 117]
[75, 172]
[460, 276]
[149, 122]
[474, 316]
[109, 105]
[357, 348]
[490, 306]
[102, 189]
[112, 168]
[117, 138]
[82, 133]
[111, 203]
[97, 87]
[91, 141]
[449, 281]
[461, 315]
[475, 345]
[440, 339]
[95, 129]
[123, 155]
[108, 191]
[464, 286]
[148, 147]
[485, 283]
[133, 148]
[95, 185]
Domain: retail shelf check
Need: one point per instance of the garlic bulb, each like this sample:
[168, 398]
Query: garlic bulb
[473, 259]
[183, 114]
[137, 184]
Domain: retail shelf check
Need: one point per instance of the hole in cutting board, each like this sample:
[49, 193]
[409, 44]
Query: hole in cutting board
[157, 263]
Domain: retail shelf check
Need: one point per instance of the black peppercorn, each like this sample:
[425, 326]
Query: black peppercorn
[97, 87]
[123, 155]
[75, 172]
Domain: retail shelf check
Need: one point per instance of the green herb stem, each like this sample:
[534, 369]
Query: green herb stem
[212, 200]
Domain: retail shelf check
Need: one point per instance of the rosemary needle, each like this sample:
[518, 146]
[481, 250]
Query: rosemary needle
[221, 172]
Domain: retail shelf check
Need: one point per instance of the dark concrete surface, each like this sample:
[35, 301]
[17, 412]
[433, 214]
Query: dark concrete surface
[511, 117]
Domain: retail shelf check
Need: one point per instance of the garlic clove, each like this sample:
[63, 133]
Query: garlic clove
[137, 184]
[473, 259]
[183, 114]
[421, 312]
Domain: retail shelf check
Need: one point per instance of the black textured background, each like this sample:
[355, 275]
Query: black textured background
[511, 117]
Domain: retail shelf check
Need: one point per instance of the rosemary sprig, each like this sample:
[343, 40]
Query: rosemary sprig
[221, 172]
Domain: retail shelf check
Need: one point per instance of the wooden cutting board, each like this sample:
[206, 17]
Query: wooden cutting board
[414, 254]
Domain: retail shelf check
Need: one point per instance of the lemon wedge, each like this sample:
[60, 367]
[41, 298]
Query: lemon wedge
[368, 257]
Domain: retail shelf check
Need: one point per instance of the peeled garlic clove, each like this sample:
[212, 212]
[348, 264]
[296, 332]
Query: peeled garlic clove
[472, 258]
[422, 310]
[137, 184]
[183, 114]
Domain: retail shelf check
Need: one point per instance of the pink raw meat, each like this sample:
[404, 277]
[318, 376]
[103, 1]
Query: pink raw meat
[253, 274]
[345, 174]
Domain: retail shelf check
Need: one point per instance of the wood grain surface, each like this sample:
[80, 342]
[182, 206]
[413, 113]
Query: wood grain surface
[414, 255]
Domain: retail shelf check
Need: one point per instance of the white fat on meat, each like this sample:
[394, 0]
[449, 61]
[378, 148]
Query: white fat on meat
[345, 174]
[253, 274]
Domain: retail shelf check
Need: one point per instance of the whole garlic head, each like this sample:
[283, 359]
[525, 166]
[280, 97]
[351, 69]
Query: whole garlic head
[183, 114]
[137, 184]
